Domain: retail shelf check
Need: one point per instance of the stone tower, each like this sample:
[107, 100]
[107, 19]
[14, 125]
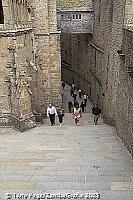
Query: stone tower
[29, 59]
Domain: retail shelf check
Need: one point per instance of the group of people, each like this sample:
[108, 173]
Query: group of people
[83, 102]
[52, 113]
[74, 107]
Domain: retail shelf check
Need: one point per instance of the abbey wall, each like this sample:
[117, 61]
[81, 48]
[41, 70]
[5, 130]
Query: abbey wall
[117, 84]
[107, 58]
[30, 61]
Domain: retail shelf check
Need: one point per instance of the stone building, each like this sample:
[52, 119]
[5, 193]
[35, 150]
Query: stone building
[101, 63]
[76, 35]
[29, 61]
[75, 17]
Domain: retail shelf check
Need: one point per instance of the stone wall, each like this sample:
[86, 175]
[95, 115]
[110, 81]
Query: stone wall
[103, 63]
[129, 13]
[15, 92]
[117, 85]
[67, 21]
[75, 4]
[75, 16]
[30, 62]
[16, 50]
[77, 48]
[76, 64]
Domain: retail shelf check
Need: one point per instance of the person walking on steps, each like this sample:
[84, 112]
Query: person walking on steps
[51, 113]
[73, 86]
[85, 99]
[77, 114]
[96, 112]
[63, 85]
[80, 94]
[60, 113]
[71, 91]
[74, 96]
[70, 105]
[76, 103]
[82, 106]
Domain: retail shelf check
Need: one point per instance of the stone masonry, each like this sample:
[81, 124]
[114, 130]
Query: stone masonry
[75, 16]
[117, 84]
[30, 61]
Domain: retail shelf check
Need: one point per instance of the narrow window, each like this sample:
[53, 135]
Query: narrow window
[76, 16]
[69, 16]
[73, 16]
[79, 16]
[62, 17]
[1, 13]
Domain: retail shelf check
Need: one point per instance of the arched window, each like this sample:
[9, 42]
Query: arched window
[1, 13]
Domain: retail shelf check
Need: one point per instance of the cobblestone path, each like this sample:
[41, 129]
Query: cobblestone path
[67, 159]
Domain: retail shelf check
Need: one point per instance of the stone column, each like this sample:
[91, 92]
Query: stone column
[55, 58]
[47, 50]
[42, 45]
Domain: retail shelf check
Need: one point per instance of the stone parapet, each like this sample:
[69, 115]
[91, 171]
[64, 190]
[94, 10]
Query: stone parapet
[78, 5]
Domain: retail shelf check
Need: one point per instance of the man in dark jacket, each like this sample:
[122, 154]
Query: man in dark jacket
[70, 105]
[82, 105]
[74, 96]
[71, 91]
[76, 103]
[96, 111]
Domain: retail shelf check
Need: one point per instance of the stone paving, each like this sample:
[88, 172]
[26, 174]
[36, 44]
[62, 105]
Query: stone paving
[68, 159]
